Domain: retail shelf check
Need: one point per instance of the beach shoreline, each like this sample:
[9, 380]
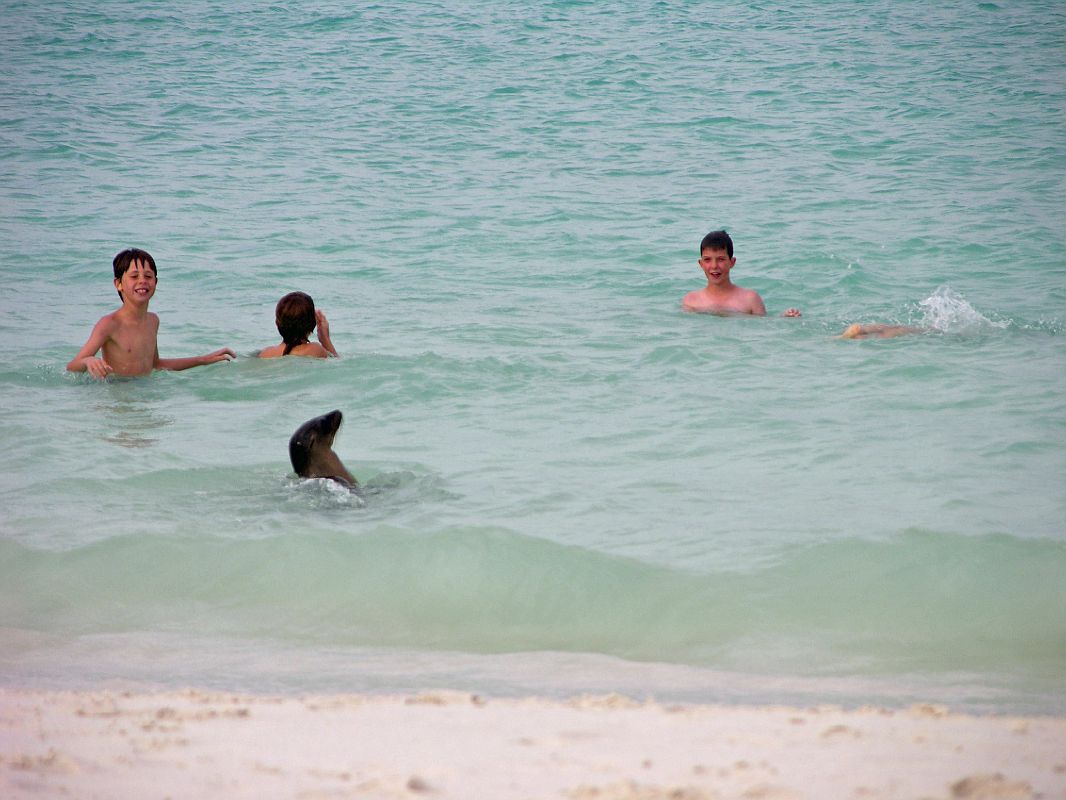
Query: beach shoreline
[445, 744]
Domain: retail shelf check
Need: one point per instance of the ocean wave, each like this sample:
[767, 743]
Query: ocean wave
[922, 601]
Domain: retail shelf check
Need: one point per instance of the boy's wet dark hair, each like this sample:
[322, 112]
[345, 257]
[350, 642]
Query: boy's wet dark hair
[123, 260]
[295, 318]
[717, 240]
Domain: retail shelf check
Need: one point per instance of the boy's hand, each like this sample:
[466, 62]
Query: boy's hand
[323, 324]
[222, 354]
[792, 312]
[323, 332]
[97, 367]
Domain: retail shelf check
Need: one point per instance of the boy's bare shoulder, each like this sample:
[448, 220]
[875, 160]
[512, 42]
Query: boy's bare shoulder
[737, 301]
[108, 323]
[695, 300]
[121, 317]
[307, 350]
[748, 294]
[752, 301]
[313, 349]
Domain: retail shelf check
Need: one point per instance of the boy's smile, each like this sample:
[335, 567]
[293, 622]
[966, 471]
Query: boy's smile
[138, 283]
[716, 265]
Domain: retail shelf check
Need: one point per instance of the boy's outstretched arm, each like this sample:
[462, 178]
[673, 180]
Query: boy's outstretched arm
[86, 360]
[177, 364]
[323, 332]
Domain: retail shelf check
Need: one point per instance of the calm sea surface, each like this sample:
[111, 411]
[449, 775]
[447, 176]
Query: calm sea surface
[570, 484]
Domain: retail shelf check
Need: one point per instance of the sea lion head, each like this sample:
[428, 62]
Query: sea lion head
[311, 450]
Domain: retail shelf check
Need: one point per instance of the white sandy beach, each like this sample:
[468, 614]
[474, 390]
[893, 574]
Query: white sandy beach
[195, 744]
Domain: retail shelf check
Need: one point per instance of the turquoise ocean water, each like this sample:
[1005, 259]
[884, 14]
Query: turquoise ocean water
[571, 485]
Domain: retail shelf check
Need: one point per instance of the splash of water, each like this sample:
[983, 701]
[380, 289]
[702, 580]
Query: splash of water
[946, 311]
[325, 493]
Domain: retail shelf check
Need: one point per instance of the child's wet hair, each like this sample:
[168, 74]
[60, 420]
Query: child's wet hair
[295, 318]
[717, 240]
[124, 259]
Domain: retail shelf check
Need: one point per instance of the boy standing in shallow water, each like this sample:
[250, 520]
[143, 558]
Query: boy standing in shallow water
[128, 335]
[721, 295]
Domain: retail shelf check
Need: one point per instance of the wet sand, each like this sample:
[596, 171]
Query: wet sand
[196, 744]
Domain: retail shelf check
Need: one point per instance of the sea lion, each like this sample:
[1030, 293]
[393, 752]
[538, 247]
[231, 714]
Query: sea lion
[311, 450]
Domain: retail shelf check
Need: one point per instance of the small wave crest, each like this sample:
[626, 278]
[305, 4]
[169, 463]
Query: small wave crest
[383, 492]
[323, 492]
[918, 602]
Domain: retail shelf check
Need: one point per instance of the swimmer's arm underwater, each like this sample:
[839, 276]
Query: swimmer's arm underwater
[178, 364]
[877, 330]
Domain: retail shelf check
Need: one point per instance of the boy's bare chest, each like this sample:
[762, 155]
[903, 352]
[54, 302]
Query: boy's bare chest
[131, 348]
[732, 299]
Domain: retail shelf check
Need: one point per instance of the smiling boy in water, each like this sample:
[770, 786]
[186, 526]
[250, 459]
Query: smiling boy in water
[128, 336]
[721, 295]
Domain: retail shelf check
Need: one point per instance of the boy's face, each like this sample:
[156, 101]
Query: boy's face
[137, 284]
[716, 265]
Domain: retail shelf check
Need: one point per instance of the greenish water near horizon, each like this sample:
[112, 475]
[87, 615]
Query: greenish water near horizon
[571, 485]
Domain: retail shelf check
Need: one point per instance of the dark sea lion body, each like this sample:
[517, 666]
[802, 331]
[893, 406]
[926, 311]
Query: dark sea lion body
[311, 450]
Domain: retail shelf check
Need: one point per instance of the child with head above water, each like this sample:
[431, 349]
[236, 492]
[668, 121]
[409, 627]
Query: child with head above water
[128, 336]
[721, 295]
[296, 318]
